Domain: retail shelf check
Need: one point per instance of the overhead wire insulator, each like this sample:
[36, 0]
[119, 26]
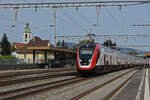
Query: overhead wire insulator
[35, 10]
[77, 9]
[15, 17]
[120, 8]
[97, 15]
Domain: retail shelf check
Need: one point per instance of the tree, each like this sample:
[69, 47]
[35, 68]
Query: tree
[133, 52]
[58, 43]
[13, 48]
[6, 46]
[109, 43]
[85, 42]
[75, 47]
[63, 44]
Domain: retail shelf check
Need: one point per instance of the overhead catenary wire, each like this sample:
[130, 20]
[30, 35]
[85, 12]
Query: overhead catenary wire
[74, 21]
[22, 23]
[114, 19]
[69, 22]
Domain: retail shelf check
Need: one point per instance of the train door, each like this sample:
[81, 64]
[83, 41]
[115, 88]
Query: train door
[110, 62]
[104, 62]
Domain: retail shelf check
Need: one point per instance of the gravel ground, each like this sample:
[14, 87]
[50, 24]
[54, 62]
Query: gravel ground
[4, 73]
[34, 75]
[66, 93]
[104, 91]
[22, 85]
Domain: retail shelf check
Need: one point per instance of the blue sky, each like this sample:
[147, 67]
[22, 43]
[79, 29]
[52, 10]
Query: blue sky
[72, 22]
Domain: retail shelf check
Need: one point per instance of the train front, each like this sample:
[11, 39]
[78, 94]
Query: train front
[87, 57]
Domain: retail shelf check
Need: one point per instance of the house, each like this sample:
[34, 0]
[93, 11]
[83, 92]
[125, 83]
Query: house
[18, 45]
[26, 55]
[36, 50]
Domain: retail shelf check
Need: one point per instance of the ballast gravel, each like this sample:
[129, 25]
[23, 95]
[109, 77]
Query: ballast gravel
[70, 91]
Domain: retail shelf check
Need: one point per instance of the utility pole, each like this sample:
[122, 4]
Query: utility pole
[54, 10]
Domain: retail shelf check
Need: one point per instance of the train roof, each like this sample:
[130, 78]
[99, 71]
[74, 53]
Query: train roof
[109, 50]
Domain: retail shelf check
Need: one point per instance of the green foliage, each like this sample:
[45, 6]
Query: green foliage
[7, 56]
[75, 47]
[13, 48]
[58, 43]
[8, 60]
[85, 42]
[6, 46]
[109, 43]
[64, 46]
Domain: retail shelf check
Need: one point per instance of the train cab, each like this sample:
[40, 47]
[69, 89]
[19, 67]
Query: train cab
[87, 56]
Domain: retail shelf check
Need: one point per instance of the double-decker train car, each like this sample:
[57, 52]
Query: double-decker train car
[96, 58]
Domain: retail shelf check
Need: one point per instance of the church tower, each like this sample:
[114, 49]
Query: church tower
[27, 34]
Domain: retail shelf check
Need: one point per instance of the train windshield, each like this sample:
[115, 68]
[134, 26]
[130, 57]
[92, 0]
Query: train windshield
[86, 52]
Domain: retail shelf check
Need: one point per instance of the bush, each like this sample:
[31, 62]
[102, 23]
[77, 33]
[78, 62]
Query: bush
[8, 60]
[7, 56]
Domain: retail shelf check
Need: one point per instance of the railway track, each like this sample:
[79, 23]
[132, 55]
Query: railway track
[83, 95]
[7, 93]
[38, 76]
[6, 74]
[40, 87]
[16, 93]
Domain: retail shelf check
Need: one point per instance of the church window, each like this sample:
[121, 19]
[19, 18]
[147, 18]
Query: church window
[26, 35]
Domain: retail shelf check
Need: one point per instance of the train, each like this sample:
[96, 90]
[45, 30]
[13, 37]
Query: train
[96, 58]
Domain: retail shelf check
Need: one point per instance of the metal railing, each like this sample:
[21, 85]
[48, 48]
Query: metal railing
[23, 61]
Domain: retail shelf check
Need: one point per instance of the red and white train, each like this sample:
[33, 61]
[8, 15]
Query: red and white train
[95, 58]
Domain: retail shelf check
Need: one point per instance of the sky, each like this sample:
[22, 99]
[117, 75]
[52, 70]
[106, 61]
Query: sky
[69, 21]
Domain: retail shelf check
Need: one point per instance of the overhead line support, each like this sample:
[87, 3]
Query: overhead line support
[72, 4]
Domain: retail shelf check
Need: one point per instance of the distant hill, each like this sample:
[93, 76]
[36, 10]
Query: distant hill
[127, 50]
[123, 50]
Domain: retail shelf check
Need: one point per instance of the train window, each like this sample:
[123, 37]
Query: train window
[86, 51]
[98, 55]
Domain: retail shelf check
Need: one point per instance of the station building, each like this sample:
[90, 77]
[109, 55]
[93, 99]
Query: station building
[36, 50]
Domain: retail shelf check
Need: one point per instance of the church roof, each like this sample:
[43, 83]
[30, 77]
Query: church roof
[19, 45]
[35, 41]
